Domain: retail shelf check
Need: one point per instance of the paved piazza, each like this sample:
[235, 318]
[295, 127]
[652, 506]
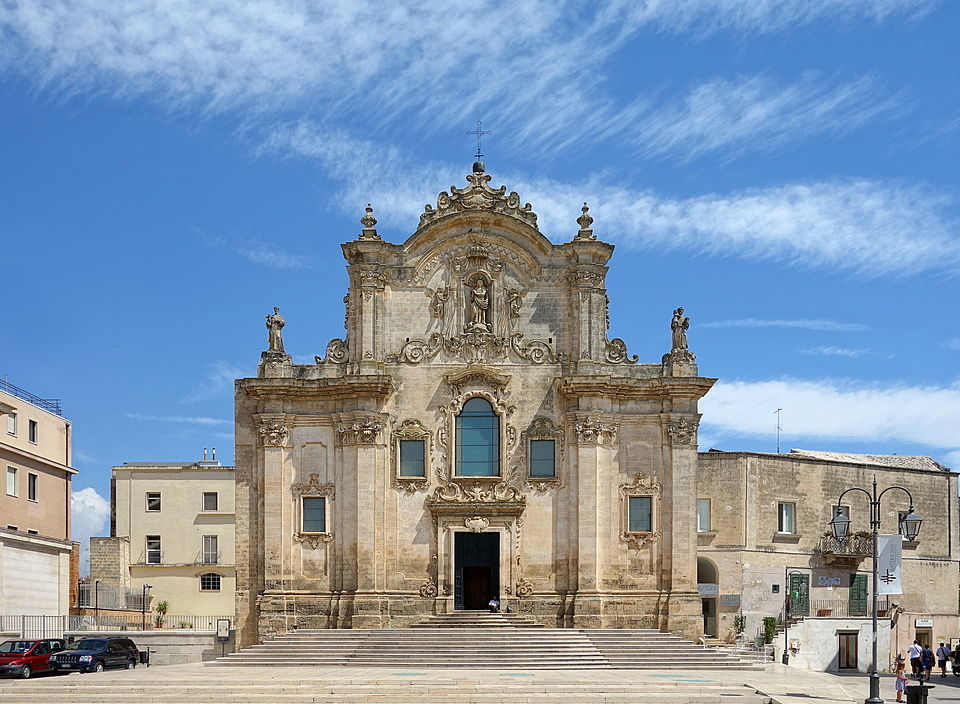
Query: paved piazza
[195, 683]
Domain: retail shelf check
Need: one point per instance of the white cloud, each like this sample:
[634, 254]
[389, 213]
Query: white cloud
[534, 65]
[83, 457]
[802, 323]
[218, 380]
[89, 514]
[869, 228]
[832, 351]
[253, 250]
[952, 460]
[837, 409]
[189, 420]
[757, 113]
[954, 344]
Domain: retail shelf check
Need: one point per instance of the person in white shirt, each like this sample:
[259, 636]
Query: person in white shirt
[943, 654]
[914, 652]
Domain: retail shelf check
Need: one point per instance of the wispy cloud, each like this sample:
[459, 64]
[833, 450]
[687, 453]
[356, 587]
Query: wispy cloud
[253, 250]
[89, 513]
[869, 228]
[83, 457]
[953, 344]
[218, 380]
[187, 420]
[831, 351]
[802, 323]
[837, 409]
[758, 113]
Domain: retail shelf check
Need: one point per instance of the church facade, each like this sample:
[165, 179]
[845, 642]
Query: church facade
[475, 433]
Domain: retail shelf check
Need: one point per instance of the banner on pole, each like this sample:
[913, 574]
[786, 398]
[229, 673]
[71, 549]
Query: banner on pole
[889, 553]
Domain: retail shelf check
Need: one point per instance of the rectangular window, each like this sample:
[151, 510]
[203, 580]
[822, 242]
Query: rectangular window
[786, 518]
[314, 514]
[12, 423]
[211, 501]
[703, 515]
[11, 481]
[543, 458]
[211, 550]
[33, 431]
[33, 487]
[412, 458]
[153, 500]
[640, 519]
[154, 553]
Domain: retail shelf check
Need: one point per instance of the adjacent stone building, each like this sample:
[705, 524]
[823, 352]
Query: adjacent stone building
[476, 433]
[35, 458]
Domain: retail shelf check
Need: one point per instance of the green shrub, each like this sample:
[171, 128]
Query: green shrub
[769, 628]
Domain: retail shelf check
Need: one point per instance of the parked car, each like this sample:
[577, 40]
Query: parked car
[22, 658]
[96, 655]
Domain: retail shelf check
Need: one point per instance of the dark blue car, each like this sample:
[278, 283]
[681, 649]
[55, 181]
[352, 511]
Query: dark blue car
[96, 655]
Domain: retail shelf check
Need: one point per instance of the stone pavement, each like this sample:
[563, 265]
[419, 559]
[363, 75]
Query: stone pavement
[192, 684]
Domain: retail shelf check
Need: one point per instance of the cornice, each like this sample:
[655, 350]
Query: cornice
[635, 389]
[336, 388]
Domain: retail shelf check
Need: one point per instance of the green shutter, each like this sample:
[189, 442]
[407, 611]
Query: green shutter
[799, 594]
[858, 595]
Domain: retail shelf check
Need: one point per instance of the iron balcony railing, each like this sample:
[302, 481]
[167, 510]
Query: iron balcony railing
[47, 404]
[851, 546]
[843, 608]
[108, 596]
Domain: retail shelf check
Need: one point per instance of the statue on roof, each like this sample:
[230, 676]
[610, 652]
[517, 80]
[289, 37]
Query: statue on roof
[275, 323]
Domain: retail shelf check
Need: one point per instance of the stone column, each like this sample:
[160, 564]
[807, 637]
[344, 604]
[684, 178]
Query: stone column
[273, 436]
[684, 617]
[589, 300]
[369, 306]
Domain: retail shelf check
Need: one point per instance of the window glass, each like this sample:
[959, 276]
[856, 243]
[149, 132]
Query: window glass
[314, 514]
[703, 515]
[640, 518]
[154, 554]
[33, 484]
[11, 481]
[153, 500]
[478, 440]
[211, 500]
[412, 458]
[786, 518]
[12, 423]
[33, 430]
[210, 582]
[211, 550]
[542, 458]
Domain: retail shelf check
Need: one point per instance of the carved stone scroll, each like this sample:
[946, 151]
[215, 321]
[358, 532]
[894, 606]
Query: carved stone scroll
[479, 196]
[314, 540]
[683, 432]
[337, 352]
[272, 433]
[366, 432]
[616, 352]
[594, 431]
[313, 487]
[476, 524]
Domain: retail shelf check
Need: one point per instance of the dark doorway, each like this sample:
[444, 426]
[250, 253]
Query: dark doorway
[477, 569]
[848, 647]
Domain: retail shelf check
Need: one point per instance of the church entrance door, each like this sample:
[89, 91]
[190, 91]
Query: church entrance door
[477, 569]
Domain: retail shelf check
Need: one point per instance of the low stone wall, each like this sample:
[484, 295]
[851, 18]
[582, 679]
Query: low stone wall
[168, 647]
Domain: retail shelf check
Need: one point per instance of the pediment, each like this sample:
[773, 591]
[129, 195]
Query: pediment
[477, 375]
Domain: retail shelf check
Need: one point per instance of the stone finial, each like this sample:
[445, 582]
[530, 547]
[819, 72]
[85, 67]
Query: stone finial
[585, 221]
[369, 222]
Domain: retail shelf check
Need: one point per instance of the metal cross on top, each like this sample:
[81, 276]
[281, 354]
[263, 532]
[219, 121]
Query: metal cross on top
[479, 132]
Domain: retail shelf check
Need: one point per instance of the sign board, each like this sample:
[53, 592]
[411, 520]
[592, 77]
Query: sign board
[223, 630]
[889, 552]
[707, 589]
[729, 600]
[828, 581]
[923, 623]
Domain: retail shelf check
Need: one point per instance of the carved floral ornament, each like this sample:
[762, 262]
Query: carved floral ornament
[683, 432]
[642, 485]
[314, 540]
[479, 196]
[476, 347]
[595, 431]
[272, 433]
[477, 493]
[360, 432]
[313, 487]
[476, 524]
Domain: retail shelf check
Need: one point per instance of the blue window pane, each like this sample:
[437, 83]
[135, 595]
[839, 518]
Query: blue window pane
[314, 514]
[478, 440]
[411, 458]
[640, 514]
[542, 463]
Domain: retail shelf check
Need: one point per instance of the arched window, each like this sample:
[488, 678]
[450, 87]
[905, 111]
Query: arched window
[210, 582]
[478, 440]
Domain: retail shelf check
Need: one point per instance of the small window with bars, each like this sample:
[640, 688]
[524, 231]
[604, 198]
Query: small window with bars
[210, 582]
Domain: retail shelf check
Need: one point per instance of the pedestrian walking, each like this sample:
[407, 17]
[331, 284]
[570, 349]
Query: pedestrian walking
[943, 654]
[902, 678]
[914, 653]
[926, 660]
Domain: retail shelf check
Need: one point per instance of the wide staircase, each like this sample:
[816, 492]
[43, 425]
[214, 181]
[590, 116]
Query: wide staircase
[479, 639]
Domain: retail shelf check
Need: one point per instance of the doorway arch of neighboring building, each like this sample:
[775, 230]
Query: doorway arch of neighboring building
[708, 584]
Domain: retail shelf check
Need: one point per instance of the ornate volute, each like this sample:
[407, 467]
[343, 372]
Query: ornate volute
[479, 196]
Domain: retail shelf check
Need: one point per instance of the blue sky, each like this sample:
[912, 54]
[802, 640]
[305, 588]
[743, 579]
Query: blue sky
[786, 171]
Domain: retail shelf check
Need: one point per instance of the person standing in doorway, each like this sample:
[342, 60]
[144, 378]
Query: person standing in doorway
[943, 654]
[914, 652]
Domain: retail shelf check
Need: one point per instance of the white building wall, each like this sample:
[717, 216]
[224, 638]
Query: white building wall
[34, 577]
[819, 643]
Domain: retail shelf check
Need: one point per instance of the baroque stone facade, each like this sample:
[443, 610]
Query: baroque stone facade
[476, 432]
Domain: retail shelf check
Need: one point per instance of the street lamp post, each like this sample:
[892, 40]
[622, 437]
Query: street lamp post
[143, 606]
[840, 525]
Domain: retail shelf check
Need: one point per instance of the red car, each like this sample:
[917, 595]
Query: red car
[21, 658]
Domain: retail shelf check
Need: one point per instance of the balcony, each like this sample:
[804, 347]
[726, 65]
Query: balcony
[849, 550]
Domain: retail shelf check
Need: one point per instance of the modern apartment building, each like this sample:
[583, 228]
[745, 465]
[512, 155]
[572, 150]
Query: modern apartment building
[35, 457]
[172, 524]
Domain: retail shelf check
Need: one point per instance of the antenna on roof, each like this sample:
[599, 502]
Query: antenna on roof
[778, 412]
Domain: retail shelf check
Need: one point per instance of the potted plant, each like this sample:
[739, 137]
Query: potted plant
[161, 609]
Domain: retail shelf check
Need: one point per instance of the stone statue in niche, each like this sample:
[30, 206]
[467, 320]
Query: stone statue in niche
[439, 301]
[679, 325]
[275, 323]
[479, 307]
[514, 301]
